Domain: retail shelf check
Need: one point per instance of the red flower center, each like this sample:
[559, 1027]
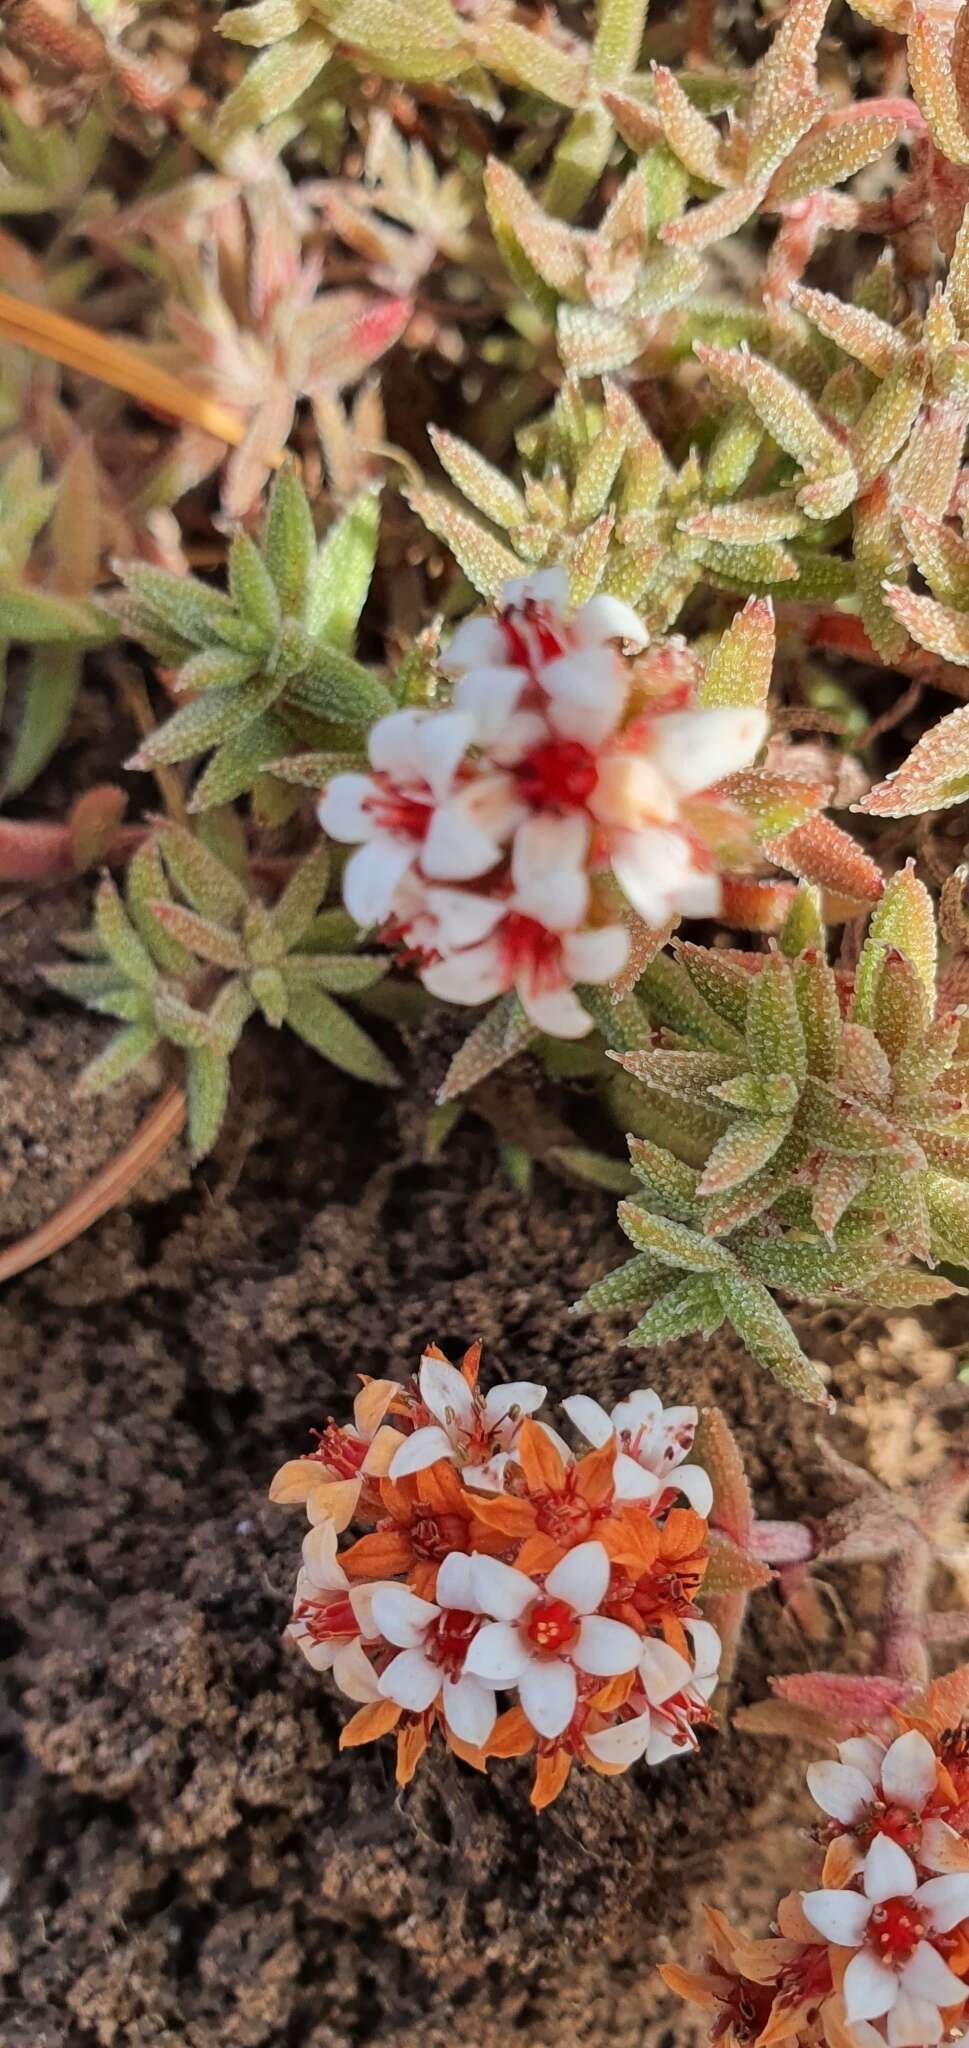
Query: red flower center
[551, 1626]
[453, 1631]
[323, 1619]
[667, 1589]
[396, 810]
[432, 1535]
[557, 775]
[745, 2010]
[530, 950]
[342, 1450]
[895, 1929]
[899, 1822]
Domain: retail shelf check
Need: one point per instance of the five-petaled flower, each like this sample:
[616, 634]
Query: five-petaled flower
[541, 1637]
[475, 1431]
[653, 1442]
[892, 1924]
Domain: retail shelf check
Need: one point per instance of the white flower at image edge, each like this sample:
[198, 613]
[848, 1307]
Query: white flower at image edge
[433, 1638]
[417, 808]
[539, 943]
[323, 1584]
[540, 1638]
[473, 1431]
[896, 1973]
[670, 1687]
[652, 1444]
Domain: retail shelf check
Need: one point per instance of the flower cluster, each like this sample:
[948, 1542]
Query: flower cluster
[490, 835]
[879, 1953]
[494, 1559]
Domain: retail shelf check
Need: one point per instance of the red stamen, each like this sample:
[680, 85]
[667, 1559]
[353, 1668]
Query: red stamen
[530, 950]
[551, 1626]
[398, 811]
[452, 1634]
[895, 1929]
[342, 1450]
[558, 775]
[433, 1536]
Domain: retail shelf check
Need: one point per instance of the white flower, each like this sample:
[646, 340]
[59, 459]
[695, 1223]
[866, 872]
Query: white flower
[870, 1779]
[541, 943]
[433, 1637]
[472, 1430]
[669, 1691]
[540, 1638]
[330, 1617]
[533, 646]
[653, 1442]
[896, 1971]
[424, 804]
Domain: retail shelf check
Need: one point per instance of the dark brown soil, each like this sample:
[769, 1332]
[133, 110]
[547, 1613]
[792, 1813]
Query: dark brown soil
[190, 1861]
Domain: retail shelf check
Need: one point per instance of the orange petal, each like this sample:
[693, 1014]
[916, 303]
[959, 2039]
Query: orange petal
[538, 1554]
[334, 1500]
[841, 1861]
[675, 1634]
[295, 1480]
[684, 1532]
[422, 1579]
[551, 1772]
[722, 1939]
[511, 1735]
[468, 1755]
[384, 1443]
[398, 1497]
[371, 1405]
[792, 1919]
[539, 1459]
[631, 1540]
[381, 1555]
[602, 1770]
[411, 1744]
[593, 1474]
[502, 1511]
[439, 1488]
[690, 1985]
[378, 1718]
[470, 1363]
[614, 1693]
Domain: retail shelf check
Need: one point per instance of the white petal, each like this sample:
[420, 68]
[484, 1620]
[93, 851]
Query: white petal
[499, 1589]
[649, 865]
[472, 976]
[320, 1558]
[632, 1481]
[699, 894]
[869, 1988]
[442, 742]
[945, 1900]
[889, 1873]
[606, 1648]
[489, 695]
[941, 1848]
[523, 1395]
[662, 1670]
[342, 809]
[695, 1484]
[394, 744]
[581, 1578]
[548, 1693]
[371, 877]
[697, 748]
[667, 1740]
[361, 1604]
[840, 1791]
[446, 1393]
[497, 1654]
[469, 1709]
[707, 1649]
[457, 849]
[475, 640]
[549, 587]
[623, 1743]
[587, 690]
[642, 1409]
[925, 1975]
[416, 1452]
[463, 917]
[913, 2022]
[590, 1418]
[354, 1673]
[520, 735]
[319, 1656]
[596, 954]
[455, 1586]
[909, 1771]
[551, 884]
[401, 1616]
[608, 618]
[555, 1011]
[841, 1917]
[865, 1753]
[412, 1680]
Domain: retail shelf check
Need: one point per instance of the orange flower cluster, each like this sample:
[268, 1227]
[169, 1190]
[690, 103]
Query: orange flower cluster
[493, 1558]
[878, 1955]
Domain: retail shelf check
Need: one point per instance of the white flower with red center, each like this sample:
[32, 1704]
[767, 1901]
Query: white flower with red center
[540, 940]
[897, 1972]
[433, 1638]
[475, 1431]
[425, 804]
[541, 1639]
[332, 1619]
[875, 1789]
[652, 1442]
[667, 1703]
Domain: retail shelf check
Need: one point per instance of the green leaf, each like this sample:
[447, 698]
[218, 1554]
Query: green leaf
[640, 1280]
[486, 562]
[692, 1305]
[126, 1049]
[742, 1151]
[672, 999]
[253, 588]
[146, 884]
[335, 686]
[192, 609]
[206, 883]
[595, 1169]
[120, 939]
[775, 1038]
[207, 940]
[503, 1031]
[769, 1338]
[904, 919]
[51, 685]
[33, 615]
[289, 542]
[342, 974]
[216, 716]
[739, 669]
[331, 1032]
[671, 1183]
[207, 1076]
[339, 579]
[672, 1242]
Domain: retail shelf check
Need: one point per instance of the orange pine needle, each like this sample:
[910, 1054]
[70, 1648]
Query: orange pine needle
[104, 1191]
[82, 348]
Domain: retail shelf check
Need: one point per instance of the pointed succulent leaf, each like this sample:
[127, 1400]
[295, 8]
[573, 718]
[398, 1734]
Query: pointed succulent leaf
[768, 1336]
[781, 406]
[741, 1152]
[671, 1183]
[934, 88]
[120, 939]
[937, 627]
[210, 719]
[207, 1077]
[328, 1029]
[252, 588]
[682, 1075]
[341, 974]
[935, 775]
[860, 333]
[289, 542]
[194, 610]
[905, 920]
[486, 562]
[775, 1038]
[504, 1030]
[206, 882]
[125, 1050]
[673, 1000]
[642, 1279]
[672, 1242]
[816, 995]
[208, 941]
[693, 1305]
[803, 927]
[739, 669]
[833, 1118]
